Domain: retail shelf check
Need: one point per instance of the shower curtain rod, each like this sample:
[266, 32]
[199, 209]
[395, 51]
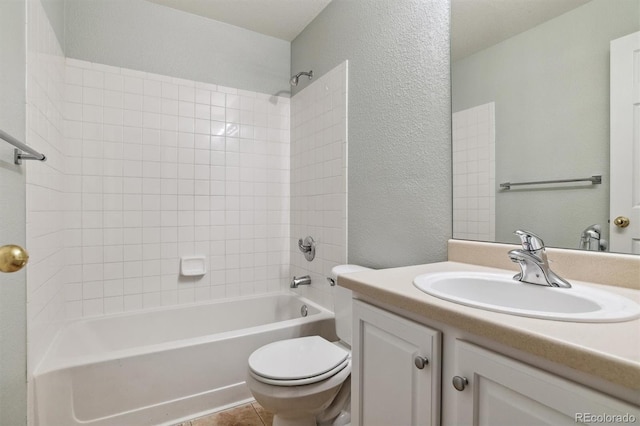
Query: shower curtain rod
[18, 155]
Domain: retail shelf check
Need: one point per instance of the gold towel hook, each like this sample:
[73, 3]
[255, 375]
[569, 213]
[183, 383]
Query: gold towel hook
[12, 258]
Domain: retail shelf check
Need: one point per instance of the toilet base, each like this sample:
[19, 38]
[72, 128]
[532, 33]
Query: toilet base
[303, 405]
[303, 420]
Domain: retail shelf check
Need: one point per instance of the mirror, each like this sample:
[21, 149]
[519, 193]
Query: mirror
[530, 102]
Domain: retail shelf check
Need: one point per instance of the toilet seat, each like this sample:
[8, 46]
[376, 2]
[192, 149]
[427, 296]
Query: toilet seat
[299, 361]
[305, 381]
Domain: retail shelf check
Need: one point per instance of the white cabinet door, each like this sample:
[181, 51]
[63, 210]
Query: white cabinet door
[390, 386]
[501, 391]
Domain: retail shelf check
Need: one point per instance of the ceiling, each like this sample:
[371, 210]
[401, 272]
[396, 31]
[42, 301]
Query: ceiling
[283, 19]
[478, 24]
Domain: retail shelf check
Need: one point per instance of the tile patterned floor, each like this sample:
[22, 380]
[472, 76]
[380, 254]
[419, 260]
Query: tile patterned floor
[251, 414]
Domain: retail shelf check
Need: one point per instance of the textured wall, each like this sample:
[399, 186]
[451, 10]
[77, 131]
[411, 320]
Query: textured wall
[13, 346]
[148, 37]
[399, 202]
[551, 91]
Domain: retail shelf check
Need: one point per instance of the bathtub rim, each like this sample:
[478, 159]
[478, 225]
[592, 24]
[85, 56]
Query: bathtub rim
[48, 365]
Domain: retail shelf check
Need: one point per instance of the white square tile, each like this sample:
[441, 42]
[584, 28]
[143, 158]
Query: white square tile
[93, 307]
[133, 102]
[92, 78]
[152, 88]
[113, 305]
[133, 302]
[218, 99]
[92, 96]
[170, 91]
[186, 124]
[113, 82]
[152, 104]
[74, 75]
[133, 85]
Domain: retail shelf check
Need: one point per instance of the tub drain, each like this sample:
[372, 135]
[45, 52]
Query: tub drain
[304, 311]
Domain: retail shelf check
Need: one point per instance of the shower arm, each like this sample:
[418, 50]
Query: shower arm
[294, 80]
[308, 74]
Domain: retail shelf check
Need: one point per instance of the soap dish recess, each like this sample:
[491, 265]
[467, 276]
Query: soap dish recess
[192, 266]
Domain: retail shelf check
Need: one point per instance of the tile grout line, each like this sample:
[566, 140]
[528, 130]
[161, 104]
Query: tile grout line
[257, 414]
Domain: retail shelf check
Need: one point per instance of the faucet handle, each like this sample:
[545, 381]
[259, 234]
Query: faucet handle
[530, 241]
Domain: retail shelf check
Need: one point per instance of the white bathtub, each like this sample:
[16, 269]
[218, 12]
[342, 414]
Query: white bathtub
[162, 366]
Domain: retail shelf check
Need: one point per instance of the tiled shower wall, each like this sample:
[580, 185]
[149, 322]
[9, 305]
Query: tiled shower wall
[161, 168]
[319, 179]
[46, 185]
[474, 197]
[142, 169]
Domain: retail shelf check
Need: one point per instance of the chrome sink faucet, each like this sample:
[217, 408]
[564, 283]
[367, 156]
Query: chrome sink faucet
[534, 266]
[591, 239]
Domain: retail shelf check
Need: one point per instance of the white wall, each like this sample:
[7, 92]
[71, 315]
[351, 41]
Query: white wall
[162, 168]
[319, 179]
[13, 345]
[145, 36]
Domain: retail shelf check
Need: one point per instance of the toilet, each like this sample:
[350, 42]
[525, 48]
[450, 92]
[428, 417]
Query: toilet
[306, 381]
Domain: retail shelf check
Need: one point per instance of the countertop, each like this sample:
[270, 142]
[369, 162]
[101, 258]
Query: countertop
[610, 351]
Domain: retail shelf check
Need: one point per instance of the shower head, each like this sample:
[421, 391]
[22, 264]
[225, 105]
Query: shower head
[294, 80]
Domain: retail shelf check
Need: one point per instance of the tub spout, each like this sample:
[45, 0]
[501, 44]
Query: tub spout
[297, 281]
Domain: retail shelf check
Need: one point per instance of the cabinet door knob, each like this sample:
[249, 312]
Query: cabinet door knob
[420, 361]
[460, 383]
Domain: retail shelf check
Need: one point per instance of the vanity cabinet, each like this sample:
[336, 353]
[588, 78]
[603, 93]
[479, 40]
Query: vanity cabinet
[492, 389]
[479, 386]
[395, 370]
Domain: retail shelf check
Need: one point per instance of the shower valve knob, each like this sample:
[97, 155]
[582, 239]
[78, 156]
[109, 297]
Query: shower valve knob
[307, 247]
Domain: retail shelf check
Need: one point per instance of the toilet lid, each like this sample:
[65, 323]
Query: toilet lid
[295, 359]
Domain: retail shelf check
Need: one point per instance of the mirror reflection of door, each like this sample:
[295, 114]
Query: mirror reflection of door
[13, 318]
[625, 145]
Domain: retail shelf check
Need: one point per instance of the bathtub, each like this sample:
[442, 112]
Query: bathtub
[163, 366]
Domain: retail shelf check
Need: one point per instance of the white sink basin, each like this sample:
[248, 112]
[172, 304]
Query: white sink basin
[501, 293]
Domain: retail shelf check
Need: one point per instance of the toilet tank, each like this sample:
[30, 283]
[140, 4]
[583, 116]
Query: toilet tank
[342, 302]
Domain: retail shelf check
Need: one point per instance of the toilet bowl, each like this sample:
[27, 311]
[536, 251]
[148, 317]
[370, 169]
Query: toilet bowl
[306, 381]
